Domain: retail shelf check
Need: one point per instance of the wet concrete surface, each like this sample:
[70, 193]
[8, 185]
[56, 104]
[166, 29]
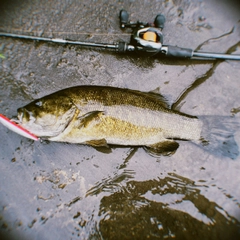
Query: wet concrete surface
[69, 191]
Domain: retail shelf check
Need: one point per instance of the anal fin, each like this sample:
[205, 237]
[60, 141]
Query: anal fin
[100, 145]
[165, 148]
[97, 143]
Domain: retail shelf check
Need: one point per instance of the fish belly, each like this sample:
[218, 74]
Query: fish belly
[132, 128]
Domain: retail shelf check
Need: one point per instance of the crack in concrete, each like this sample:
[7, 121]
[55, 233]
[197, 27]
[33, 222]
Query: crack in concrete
[200, 80]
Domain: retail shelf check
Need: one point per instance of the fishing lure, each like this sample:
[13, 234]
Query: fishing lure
[17, 128]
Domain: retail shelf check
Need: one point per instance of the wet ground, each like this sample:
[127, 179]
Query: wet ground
[68, 191]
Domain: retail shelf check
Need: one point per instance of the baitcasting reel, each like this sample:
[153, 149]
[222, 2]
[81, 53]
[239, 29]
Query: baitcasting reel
[147, 38]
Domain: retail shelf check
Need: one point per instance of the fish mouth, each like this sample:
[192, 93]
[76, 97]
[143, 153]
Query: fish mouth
[20, 115]
[24, 116]
[15, 120]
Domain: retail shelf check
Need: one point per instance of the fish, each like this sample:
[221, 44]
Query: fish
[102, 116]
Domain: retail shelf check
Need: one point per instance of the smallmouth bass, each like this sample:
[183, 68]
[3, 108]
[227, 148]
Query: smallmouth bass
[97, 116]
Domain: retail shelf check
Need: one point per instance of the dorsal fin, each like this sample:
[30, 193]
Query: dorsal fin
[155, 94]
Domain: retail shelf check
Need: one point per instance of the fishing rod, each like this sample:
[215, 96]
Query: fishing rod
[146, 39]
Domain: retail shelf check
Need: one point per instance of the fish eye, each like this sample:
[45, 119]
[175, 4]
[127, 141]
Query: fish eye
[39, 103]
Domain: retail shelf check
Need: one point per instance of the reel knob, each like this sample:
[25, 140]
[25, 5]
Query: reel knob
[159, 21]
[123, 15]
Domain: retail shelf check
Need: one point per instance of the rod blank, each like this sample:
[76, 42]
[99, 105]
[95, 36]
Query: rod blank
[216, 55]
[59, 40]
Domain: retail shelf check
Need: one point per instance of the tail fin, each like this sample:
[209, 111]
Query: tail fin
[218, 135]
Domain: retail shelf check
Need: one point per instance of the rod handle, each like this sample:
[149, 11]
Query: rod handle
[174, 51]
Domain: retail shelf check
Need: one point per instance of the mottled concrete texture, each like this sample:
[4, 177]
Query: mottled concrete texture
[65, 191]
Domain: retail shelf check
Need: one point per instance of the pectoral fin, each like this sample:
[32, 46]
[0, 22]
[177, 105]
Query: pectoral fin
[165, 148]
[89, 118]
